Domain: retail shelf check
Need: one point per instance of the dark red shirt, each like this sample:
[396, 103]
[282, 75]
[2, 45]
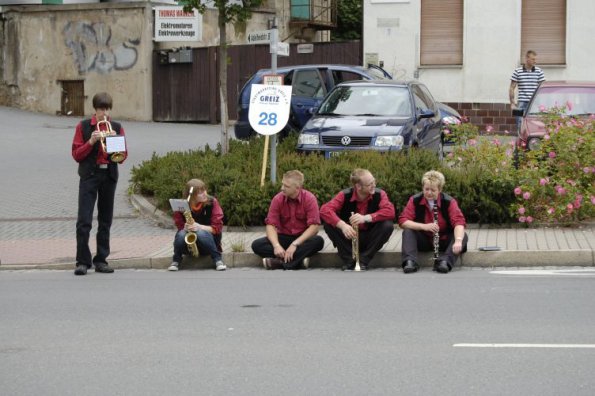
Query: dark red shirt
[292, 216]
[454, 212]
[329, 212]
[81, 149]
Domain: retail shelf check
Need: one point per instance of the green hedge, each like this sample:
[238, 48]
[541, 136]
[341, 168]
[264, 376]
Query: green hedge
[235, 179]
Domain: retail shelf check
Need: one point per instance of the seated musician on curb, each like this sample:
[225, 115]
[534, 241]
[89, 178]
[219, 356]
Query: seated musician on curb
[98, 173]
[206, 222]
[291, 227]
[363, 206]
[419, 226]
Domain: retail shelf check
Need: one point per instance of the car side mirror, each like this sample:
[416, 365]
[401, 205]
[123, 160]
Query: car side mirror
[312, 110]
[518, 112]
[426, 114]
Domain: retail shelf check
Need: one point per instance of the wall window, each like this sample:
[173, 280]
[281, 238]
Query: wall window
[543, 30]
[441, 41]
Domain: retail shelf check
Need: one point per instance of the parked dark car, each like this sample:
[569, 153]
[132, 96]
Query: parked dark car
[374, 115]
[310, 83]
[578, 96]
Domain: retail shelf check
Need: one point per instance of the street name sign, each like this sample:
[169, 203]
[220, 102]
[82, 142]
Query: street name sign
[281, 50]
[261, 37]
[269, 108]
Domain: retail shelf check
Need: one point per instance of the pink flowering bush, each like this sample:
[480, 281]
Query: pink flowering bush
[480, 174]
[556, 182]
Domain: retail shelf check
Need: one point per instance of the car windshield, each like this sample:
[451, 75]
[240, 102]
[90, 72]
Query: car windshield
[368, 101]
[376, 73]
[578, 100]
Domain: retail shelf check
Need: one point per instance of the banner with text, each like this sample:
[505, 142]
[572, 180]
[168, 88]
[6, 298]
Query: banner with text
[173, 24]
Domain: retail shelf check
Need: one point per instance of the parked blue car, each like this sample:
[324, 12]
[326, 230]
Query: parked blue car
[375, 115]
[310, 84]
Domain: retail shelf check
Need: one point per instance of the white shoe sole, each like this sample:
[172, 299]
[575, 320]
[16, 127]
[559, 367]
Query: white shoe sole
[172, 268]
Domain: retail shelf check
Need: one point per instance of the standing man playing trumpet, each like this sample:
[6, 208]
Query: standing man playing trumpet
[363, 206]
[98, 179]
[425, 228]
[205, 219]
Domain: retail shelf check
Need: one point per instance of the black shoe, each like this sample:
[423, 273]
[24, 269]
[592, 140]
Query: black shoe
[104, 268]
[442, 267]
[348, 267]
[80, 269]
[410, 266]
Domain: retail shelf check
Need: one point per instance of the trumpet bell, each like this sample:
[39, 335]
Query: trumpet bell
[117, 157]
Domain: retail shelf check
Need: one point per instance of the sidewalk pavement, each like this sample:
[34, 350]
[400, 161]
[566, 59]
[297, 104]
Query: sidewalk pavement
[150, 246]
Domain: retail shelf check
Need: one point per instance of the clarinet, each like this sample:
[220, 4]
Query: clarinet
[436, 234]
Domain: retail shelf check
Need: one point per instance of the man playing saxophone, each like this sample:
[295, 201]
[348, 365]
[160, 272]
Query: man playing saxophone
[205, 220]
[98, 179]
[363, 206]
[443, 232]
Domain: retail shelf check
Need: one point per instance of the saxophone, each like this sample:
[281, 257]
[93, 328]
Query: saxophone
[190, 237]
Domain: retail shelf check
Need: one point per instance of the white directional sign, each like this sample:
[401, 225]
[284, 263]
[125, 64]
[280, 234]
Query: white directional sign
[261, 37]
[269, 108]
[282, 49]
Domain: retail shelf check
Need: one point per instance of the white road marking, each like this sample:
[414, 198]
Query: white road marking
[561, 272]
[524, 345]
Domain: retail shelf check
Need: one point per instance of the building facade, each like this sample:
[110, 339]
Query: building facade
[55, 57]
[466, 50]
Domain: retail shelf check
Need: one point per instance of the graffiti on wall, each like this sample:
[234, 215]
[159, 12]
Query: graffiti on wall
[93, 48]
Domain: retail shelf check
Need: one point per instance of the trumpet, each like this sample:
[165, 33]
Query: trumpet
[190, 237]
[355, 247]
[114, 157]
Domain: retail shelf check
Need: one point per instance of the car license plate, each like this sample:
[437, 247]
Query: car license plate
[330, 154]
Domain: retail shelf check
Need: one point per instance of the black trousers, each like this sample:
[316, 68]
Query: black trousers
[98, 187]
[414, 241]
[264, 248]
[370, 241]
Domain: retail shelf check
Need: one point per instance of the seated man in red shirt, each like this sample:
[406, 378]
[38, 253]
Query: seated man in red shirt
[291, 227]
[363, 206]
[425, 228]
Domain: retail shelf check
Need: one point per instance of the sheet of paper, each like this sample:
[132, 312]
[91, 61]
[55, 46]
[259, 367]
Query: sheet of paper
[115, 144]
[179, 205]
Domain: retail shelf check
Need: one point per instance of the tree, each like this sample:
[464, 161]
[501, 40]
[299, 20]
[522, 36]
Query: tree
[230, 11]
[349, 20]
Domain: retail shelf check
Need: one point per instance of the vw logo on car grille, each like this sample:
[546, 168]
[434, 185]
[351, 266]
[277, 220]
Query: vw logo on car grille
[345, 140]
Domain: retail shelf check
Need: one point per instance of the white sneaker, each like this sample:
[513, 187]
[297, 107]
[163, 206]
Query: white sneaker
[306, 262]
[220, 266]
[173, 266]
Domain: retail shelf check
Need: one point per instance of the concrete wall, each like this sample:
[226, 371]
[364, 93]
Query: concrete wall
[491, 47]
[108, 48]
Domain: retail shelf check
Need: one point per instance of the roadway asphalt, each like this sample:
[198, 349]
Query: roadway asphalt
[39, 195]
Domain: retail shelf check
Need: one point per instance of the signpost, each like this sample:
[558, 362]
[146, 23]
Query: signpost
[262, 37]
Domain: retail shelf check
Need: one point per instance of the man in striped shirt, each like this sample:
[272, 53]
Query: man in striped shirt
[527, 77]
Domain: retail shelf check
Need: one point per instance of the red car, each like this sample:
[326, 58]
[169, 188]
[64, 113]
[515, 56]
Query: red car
[577, 96]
